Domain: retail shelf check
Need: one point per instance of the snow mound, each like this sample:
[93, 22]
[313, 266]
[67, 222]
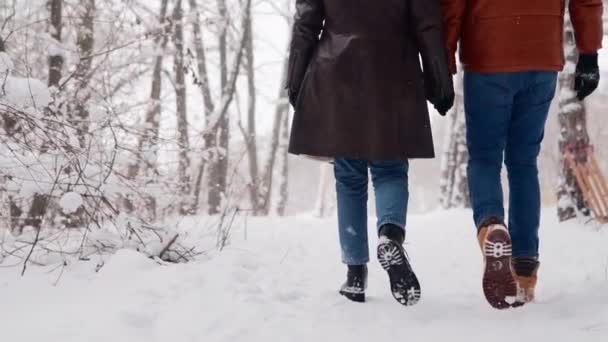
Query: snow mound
[70, 202]
[124, 263]
[25, 93]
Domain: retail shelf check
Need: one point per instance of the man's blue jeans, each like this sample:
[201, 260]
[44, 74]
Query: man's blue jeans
[506, 115]
[391, 189]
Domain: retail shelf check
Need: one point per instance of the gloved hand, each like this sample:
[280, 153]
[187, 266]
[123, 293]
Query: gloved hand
[587, 76]
[439, 85]
[445, 103]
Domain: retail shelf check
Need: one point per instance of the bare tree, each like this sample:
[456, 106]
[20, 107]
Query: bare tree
[181, 110]
[251, 132]
[209, 106]
[55, 27]
[574, 136]
[284, 170]
[325, 204]
[454, 185]
[218, 123]
[217, 139]
[40, 201]
[144, 163]
[83, 75]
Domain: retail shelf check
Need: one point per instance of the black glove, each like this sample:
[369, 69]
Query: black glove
[439, 85]
[587, 76]
[445, 103]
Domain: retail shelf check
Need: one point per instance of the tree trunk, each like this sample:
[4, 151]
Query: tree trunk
[55, 60]
[251, 136]
[82, 75]
[217, 140]
[40, 201]
[326, 202]
[284, 160]
[181, 110]
[454, 184]
[146, 157]
[209, 106]
[281, 111]
[573, 134]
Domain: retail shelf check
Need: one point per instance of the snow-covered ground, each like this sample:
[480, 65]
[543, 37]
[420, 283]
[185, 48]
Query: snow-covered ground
[280, 284]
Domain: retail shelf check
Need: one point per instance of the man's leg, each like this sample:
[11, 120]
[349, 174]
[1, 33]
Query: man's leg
[523, 147]
[488, 105]
[526, 133]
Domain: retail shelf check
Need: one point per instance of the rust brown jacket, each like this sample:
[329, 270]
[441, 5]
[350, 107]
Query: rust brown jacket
[355, 65]
[517, 35]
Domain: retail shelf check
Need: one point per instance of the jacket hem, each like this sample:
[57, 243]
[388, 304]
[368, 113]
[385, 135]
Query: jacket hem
[510, 68]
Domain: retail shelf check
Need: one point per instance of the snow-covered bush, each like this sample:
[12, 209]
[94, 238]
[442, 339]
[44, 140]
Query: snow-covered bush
[59, 194]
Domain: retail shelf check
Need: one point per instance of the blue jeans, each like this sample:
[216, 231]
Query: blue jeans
[391, 189]
[506, 115]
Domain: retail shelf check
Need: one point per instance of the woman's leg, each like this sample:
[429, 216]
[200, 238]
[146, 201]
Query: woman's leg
[351, 188]
[391, 187]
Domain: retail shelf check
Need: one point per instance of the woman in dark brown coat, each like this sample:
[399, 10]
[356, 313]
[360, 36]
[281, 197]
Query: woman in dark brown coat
[360, 94]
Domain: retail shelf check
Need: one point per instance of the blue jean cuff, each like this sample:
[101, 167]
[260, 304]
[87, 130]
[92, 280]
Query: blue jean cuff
[355, 261]
[525, 254]
[391, 220]
[488, 215]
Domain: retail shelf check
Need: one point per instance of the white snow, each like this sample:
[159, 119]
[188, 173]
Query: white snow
[281, 285]
[70, 202]
[25, 93]
[21, 93]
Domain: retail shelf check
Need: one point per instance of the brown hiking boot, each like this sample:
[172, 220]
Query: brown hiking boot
[526, 274]
[499, 285]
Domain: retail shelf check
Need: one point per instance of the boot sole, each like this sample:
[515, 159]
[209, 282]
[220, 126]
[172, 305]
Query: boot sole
[355, 297]
[499, 284]
[404, 283]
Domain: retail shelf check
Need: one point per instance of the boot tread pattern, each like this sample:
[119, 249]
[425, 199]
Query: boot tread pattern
[499, 284]
[404, 283]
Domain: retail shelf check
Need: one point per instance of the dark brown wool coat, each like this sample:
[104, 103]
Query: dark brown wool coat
[355, 67]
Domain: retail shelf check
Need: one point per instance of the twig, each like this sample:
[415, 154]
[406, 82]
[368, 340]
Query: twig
[168, 246]
[31, 251]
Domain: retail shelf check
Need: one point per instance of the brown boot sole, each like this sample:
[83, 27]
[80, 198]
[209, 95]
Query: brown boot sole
[499, 284]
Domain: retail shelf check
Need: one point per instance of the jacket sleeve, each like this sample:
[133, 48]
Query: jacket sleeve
[308, 24]
[428, 29]
[453, 13]
[586, 16]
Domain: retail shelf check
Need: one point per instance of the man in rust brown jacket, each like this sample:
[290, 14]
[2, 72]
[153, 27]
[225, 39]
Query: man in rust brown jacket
[511, 51]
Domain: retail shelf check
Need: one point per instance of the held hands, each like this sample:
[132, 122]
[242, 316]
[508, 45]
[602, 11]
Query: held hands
[444, 103]
[439, 85]
[587, 76]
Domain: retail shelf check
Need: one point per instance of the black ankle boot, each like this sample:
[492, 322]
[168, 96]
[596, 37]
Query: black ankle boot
[393, 258]
[393, 233]
[356, 283]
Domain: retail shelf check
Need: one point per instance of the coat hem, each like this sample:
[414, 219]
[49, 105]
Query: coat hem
[511, 68]
[359, 156]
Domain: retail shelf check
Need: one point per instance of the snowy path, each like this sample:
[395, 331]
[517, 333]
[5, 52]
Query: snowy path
[281, 285]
